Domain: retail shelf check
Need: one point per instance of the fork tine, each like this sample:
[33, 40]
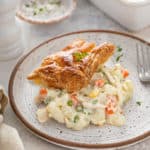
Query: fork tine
[145, 61]
[148, 59]
[139, 60]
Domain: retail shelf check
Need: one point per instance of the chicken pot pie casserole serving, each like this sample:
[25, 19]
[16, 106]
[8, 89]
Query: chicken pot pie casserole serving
[77, 89]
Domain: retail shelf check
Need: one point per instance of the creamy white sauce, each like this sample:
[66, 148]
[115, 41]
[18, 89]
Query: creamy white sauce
[92, 102]
[43, 9]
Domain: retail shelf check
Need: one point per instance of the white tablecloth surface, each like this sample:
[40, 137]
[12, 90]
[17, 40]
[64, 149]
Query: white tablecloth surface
[86, 16]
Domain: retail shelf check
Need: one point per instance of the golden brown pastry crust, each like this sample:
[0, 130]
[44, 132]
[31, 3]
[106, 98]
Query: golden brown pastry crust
[64, 70]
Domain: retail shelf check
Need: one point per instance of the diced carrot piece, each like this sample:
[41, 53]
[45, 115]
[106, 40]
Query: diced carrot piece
[125, 73]
[100, 83]
[109, 111]
[111, 104]
[74, 99]
[43, 91]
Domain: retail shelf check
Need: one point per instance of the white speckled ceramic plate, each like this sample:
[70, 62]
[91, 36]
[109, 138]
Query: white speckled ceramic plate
[22, 92]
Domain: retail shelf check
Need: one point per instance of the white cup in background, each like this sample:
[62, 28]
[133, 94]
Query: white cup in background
[10, 34]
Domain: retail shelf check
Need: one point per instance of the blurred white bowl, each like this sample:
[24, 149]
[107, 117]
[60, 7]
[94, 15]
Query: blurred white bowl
[132, 14]
[69, 7]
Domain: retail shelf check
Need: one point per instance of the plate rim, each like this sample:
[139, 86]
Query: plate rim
[57, 140]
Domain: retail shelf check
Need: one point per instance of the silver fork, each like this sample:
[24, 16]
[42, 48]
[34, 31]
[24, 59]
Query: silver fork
[143, 63]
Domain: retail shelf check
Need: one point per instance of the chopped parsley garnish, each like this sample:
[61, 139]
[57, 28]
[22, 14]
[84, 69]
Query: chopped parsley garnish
[119, 49]
[41, 9]
[99, 70]
[35, 13]
[80, 55]
[69, 103]
[38, 11]
[79, 108]
[60, 106]
[55, 2]
[34, 4]
[76, 119]
[139, 103]
[118, 57]
[107, 82]
[60, 93]
[89, 113]
[47, 100]
[95, 101]
[27, 5]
